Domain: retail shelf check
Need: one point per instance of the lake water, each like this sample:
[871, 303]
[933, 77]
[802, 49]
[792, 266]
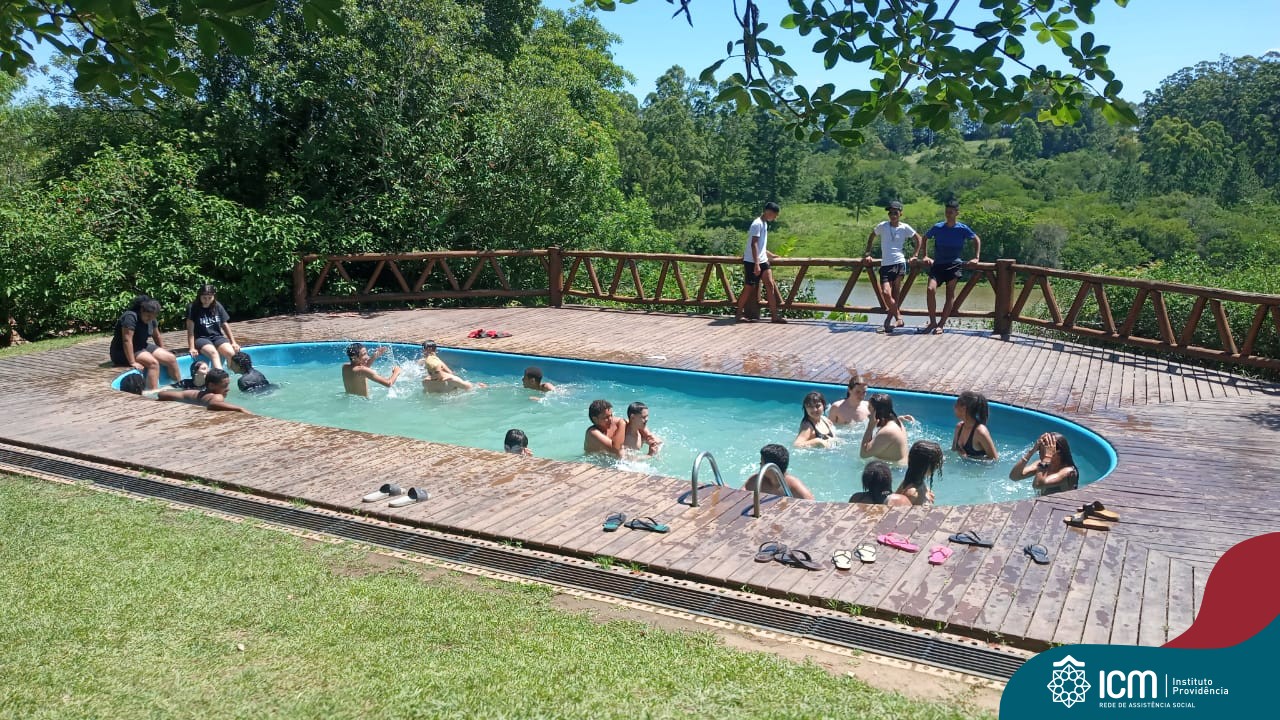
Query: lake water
[981, 298]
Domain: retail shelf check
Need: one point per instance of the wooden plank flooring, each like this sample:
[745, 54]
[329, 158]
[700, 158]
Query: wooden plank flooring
[1197, 471]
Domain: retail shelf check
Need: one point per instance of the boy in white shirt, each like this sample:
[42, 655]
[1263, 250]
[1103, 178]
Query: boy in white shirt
[893, 236]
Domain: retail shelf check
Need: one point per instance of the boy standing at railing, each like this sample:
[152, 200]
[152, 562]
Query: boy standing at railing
[949, 237]
[755, 266]
[893, 236]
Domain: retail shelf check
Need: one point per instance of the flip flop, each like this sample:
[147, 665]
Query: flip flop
[927, 329]
[478, 332]
[970, 537]
[770, 550]
[1082, 520]
[497, 334]
[1039, 553]
[648, 523]
[898, 541]
[842, 559]
[1098, 510]
[800, 559]
[865, 553]
[382, 493]
[414, 495]
[614, 521]
[938, 554]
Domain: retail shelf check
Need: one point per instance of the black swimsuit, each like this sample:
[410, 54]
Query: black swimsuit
[969, 450]
[816, 432]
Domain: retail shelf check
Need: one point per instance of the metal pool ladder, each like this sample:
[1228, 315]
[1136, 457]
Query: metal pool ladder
[715, 471]
[697, 463]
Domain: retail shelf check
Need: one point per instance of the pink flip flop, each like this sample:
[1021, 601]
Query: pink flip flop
[898, 541]
[938, 554]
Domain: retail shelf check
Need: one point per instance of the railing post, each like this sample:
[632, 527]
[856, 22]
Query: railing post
[300, 285]
[1004, 298]
[555, 277]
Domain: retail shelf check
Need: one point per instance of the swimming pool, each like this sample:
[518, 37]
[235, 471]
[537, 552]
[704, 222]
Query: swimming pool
[732, 416]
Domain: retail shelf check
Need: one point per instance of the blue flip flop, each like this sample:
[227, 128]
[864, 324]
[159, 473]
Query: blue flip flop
[614, 521]
[648, 523]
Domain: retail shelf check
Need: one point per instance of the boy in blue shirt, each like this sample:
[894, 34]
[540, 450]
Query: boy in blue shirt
[948, 238]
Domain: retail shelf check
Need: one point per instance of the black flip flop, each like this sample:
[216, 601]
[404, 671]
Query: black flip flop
[648, 523]
[970, 537]
[1039, 553]
[800, 559]
[770, 551]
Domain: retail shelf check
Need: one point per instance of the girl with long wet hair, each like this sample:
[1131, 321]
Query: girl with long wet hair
[815, 429]
[924, 459]
[885, 437]
[1055, 472]
[972, 438]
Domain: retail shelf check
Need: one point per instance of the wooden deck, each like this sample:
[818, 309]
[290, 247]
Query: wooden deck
[1198, 468]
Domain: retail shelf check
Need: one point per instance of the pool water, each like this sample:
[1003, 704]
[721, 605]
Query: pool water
[731, 416]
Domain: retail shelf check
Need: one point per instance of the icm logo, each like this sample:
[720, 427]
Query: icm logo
[1118, 685]
[1069, 685]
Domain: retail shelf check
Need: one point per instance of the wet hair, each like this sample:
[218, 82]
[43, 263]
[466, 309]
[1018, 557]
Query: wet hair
[776, 454]
[515, 439]
[854, 379]
[429, 345]
[636, 408]
[198, 366]
[533, 371]
[804, 404]
[216, 375]
[206, 289]
[354, 350]
[923, 460]
[1064, 452]
[883, 405]
[772, 206]
[149, 305]
[597, 408]
[877, 480]
[974, 403]
[132, 383]
[243, 360]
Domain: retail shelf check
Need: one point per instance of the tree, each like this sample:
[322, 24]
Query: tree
[1188, 158]
[1027, 142]
[126, 48]
[903, 42]
[674, 184]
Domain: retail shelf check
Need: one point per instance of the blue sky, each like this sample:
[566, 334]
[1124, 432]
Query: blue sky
[1149, 39]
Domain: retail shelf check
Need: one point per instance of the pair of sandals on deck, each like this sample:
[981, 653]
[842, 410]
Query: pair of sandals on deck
[774, 550]
[617, 520]
[400, 498]
[1092, 516]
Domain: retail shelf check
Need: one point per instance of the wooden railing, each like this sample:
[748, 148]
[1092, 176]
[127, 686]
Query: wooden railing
[1160, 316]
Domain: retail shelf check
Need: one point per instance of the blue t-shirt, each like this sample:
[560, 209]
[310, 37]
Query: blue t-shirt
[948, 242]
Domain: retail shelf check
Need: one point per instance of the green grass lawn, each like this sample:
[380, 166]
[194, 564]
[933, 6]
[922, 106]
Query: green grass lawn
[54, 344]
[831, 231]
[115, 608]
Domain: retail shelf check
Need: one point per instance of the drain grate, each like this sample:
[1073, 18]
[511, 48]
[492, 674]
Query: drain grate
[964, 657]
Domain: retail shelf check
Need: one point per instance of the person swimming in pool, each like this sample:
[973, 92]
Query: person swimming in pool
[357, 371]
[199, 369]
[637, 433]
[972, 438]
[1056, 470]
[781, 457]
[853, 407]
[250, 380]
[532, 380]
[923, 460]
[815, 429]
[516, 442]
[440, 378]
[877, 484]
[885, 437]
[606, 434]
[213, 396]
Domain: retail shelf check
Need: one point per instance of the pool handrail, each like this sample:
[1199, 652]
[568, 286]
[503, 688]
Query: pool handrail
[693, 476]
[755, 492]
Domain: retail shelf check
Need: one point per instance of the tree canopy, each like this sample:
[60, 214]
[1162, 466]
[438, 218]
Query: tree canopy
[962, 68]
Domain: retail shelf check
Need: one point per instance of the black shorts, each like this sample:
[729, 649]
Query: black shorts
[945, 273]
[891, 273]
[749, 271]
[119, 360]
[215, 340]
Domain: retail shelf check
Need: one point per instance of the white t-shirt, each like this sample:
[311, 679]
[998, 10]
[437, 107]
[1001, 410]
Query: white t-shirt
[891, 241]
[761, 228]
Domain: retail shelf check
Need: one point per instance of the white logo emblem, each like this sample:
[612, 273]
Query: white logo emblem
[1068, 685]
